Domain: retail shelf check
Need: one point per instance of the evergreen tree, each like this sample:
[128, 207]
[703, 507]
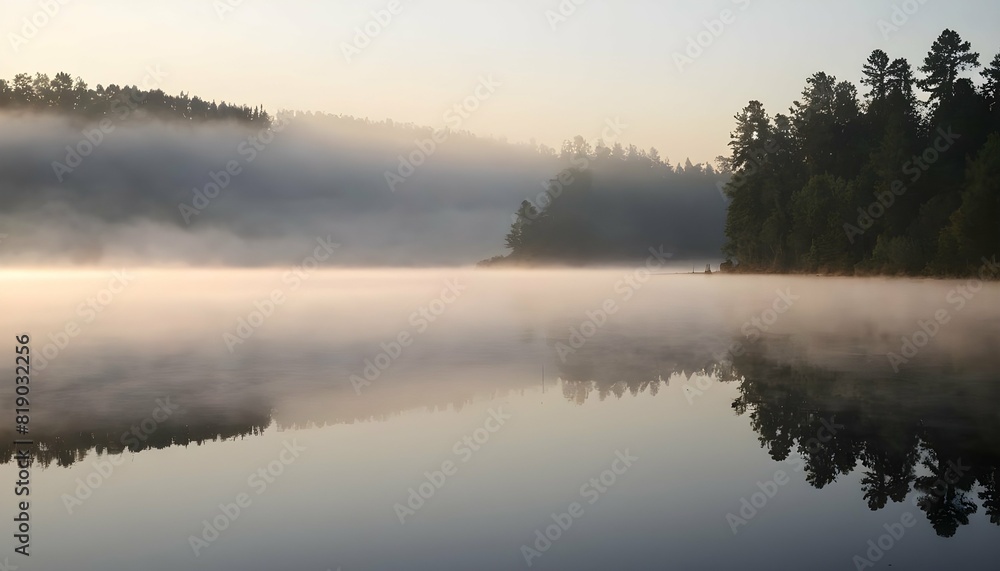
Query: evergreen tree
[876, 76]
[947, 59]
[881, 188]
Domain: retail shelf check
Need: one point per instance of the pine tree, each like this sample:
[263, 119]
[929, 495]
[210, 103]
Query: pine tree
[876, 75]
[948, 58]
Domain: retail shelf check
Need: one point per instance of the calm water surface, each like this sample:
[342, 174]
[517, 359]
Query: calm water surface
[451, 419]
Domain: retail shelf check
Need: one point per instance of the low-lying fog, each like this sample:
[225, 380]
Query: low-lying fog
[141, 193]
[106, 345]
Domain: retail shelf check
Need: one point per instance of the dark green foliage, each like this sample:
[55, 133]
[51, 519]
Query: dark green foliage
[63, 94]
[876, 72]
[892, 186]
[973, 231]
[948, 58]
[615, 204]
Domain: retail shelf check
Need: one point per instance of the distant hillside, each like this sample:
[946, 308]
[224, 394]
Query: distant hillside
[64, 94]
[128, 174]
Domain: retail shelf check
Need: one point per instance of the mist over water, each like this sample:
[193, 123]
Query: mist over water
[343, 285]
[714, 382]
[122, 203]
[212, 336]
[222, 194]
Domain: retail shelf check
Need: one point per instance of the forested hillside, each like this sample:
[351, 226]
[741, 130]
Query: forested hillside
[902, 180]
[614, 204]
[63, 94]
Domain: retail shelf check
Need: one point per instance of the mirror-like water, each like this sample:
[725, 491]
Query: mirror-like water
[458, 419]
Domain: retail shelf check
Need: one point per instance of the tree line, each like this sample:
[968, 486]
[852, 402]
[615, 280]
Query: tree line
[612, 203]
[64, 94]
[898, 181]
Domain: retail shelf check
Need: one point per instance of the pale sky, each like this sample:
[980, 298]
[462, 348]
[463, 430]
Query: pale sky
[609, 59]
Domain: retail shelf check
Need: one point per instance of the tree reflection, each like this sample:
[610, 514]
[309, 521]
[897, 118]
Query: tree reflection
[933, 432]
[931, 435]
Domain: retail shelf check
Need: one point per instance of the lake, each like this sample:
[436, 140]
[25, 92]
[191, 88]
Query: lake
[460, 419]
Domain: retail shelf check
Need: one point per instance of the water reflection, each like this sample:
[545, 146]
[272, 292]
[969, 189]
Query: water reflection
[934, 432]
[929, 434]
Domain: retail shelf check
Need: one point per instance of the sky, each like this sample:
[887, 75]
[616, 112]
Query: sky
[559, 68]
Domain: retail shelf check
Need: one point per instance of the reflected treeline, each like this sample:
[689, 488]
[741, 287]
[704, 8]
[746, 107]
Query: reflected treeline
[935, 431]
[86, 411]
[613, 364]
[930, 432]
[67, 448]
